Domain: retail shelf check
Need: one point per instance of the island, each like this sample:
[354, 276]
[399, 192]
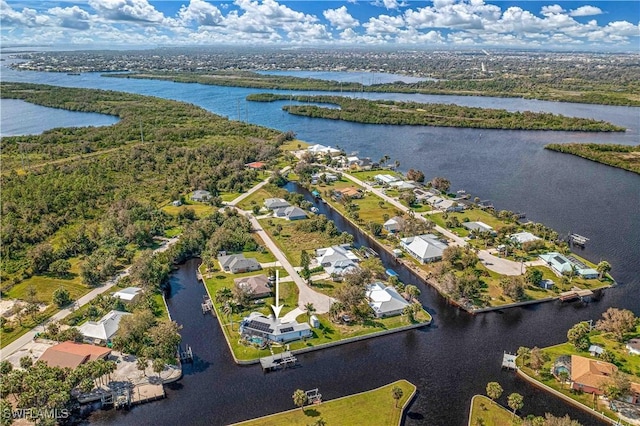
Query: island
[626, 157]
[419, 114]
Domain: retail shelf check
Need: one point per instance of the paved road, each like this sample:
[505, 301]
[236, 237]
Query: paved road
[29, 336]
[494, 263]
[241, 197]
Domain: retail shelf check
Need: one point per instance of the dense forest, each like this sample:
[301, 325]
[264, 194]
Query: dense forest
[625, 157]
[95, 192]
[412, 113]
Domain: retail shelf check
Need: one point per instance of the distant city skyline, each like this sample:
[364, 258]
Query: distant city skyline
[573, 25]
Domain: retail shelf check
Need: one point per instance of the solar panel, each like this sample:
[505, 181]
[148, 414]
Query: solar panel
[286, 329]
[260, 326]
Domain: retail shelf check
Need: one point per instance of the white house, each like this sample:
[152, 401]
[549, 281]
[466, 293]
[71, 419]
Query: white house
[393, 225]
[258, 325]
[129, 294]
[337, 259]
[103, 330]
[201, 195]
[401, 185]
[385, 301]
[323, 150]
[561, 264]
[290, 213]
[523, 237]
[633, 346]
[425, 248]
[276, 203]
[237, 263]
[385, 179]
[478, 227]
[443, 204]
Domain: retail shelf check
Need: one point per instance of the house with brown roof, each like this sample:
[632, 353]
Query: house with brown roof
[257, 286]
[71, 354]
[590, 375]
[347, 192]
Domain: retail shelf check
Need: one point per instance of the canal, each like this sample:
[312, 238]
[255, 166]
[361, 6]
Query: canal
[449, 361]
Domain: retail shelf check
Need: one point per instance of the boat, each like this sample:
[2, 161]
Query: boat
[314, 209]
[73, 73]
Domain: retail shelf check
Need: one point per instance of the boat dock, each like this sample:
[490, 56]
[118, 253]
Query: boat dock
[277, 361]
[575, 294]
[578, 239]
[509, 361]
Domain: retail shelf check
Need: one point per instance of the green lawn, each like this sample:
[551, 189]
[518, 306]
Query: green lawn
[369, 174]
[474, 215]
[374, 408]
[200, 209]
[173, 232]
[293, 145]
[257, 198]
[488, 413]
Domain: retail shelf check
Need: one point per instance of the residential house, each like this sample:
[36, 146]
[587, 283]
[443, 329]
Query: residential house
[385, 301]
[478, 227]
[425, 248]
[352, 162]
[560, 264]
[402, 185]
[290, 213]
[444, 204]
[423, 195]
[201, 195]
[257, 286]
[101, 331]
[523, 237]
[633, 346]
[394, 225]
[348, 192]
[337, 259]
[257, 165]
[237, 263]
[276, 203]
[71, 354]
[273, 329]
[328, 177]
[129, 294]
[591, 376]
[385, 179]
[323, 150]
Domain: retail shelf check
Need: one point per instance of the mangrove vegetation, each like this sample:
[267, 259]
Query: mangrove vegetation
[625, 157]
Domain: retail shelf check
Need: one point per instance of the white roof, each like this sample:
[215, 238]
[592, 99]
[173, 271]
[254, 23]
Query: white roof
[402, 185]
[337, 259]
[477, 226]
[321, 148]
[128, 293]
[425, 246]
[384, 300]
[524, 237]
[105, 328]
[386, 178]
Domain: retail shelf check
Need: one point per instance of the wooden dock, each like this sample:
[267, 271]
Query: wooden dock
[147, 393]
[278, 361]
[575, 294]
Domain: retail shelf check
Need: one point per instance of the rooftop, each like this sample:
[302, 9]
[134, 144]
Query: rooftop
[71, 354]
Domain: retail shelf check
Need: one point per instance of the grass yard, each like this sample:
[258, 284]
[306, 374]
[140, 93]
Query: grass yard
[257, 198]
[201, 210]
[369, 174]
[474, 215]
[488, 413]
[293, 145]
[374, 408]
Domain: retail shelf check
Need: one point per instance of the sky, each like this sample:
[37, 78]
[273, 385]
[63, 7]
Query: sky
[436, 24]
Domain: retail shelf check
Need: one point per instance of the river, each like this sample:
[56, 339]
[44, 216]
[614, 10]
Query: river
[459, 353]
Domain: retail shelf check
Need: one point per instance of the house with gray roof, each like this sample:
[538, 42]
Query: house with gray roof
[237, 263]
[276, 203]
[395, 224]
[129, 294]
[101, 332]
[523, 237]
[257, 286]
[337, 259]
[290, 213]
[273, 329]
[385, 301]
[478, 227]
[201, 195]
[425, 248]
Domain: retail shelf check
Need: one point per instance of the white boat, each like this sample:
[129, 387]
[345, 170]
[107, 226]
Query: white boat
[314, 209]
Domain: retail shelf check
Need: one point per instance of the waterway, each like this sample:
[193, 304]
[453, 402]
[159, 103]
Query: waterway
[459, 353]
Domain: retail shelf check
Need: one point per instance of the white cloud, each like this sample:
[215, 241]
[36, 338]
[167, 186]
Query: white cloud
[27, 17]
[340, 18]
[72, 17]
[200, 12]
[384, 25]
[127, 10]
[552, 10]
[586, 11]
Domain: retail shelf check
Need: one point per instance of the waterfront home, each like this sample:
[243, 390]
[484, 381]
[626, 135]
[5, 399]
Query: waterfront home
[129, 294]
[237, 263]
[352, 162]
[385, 179]
[402, 185]
[257, 286]
[337, 259]
[445, 205]
[256, 165]
[423, 195]
[272, 329]
[385, 300]
[201, 195]
[591, 376]
[276, 203]
[561, 264]
[290, 213]
[347, 192]
[100, 332]
[523, 237]
[323, 150]
[425, 248]
[394, 225]
[633, 346]
[327, 177]
[478, 227]
[72, 354]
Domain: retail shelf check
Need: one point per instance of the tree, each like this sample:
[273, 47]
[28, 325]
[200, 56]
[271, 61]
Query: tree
[26, 362]
[60, 267]
[375, 228]
[533, 277]
[5, 367]
[412, 291]
[41, 257]
[515, 402]
[578, 335]
[563, 376]
[300, 398]
[6, 417]
[603, 268]
[513, 286]
[618, 322]
[538, 358]
[396, 393]
[304, 262]
[61, 297]
[619, 386]
[524, 353]
[415, 175]
[310, 309]
[494, 390]
[440, 183]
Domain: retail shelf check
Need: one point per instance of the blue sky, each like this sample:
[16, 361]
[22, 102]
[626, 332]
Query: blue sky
[424, 24]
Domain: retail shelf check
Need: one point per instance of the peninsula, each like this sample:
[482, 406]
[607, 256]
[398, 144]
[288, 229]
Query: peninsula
[420, 114]
[625, 157]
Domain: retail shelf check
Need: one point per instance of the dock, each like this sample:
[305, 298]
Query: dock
[578, 239]
[207, 305]
[509, 361]
[146, 393]
[572, 294]
[278, 361]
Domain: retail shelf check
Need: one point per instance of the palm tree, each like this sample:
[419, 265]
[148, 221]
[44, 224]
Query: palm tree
[310, 309]
[299, 398]
[335, 309]
[563, 376]
[603, 268]
[396, 393]
[223, 294]
[494, 390]
[515, 402]
[412, 291]
[524, 353]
